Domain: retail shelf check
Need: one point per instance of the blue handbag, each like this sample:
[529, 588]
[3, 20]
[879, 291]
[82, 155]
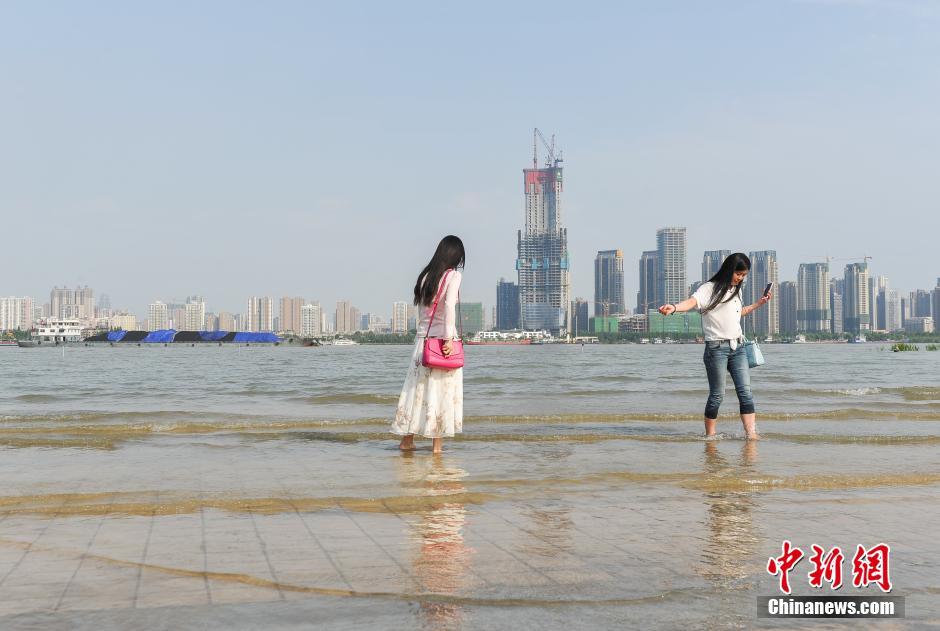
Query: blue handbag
[755, 357]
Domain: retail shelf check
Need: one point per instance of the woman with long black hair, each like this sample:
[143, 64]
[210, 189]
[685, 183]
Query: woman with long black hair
[722, 308]
[431, 401]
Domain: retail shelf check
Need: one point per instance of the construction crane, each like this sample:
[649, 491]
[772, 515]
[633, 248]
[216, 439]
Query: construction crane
[828, 258]
[550, 160]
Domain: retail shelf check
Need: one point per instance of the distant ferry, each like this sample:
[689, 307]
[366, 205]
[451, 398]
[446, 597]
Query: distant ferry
[345, 342]
[55, 331]
[6, 342]
[496, 338]
[474, 342]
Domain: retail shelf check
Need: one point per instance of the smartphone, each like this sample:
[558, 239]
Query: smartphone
[768, 288]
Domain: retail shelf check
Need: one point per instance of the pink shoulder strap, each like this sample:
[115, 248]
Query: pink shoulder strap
[437, 299]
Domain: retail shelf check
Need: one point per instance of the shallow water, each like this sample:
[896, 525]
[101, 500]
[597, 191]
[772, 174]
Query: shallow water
[582, 479]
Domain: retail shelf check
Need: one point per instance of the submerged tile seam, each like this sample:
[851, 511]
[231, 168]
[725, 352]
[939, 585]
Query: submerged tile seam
[407, 572]
[81, 561]
[205, 550]
[264, 551]
[517, 559]
[329, 557]
[31, 543]
[143, 557]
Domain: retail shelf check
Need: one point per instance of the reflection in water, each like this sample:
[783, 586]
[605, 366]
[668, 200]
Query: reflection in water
[730, 536]
[441, 557]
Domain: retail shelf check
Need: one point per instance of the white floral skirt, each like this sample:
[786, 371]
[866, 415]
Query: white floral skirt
[431, 401]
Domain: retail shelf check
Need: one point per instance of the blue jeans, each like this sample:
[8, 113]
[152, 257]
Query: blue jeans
[719, 359]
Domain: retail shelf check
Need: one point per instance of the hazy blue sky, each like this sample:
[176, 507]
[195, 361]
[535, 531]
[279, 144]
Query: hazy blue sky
[156, 150]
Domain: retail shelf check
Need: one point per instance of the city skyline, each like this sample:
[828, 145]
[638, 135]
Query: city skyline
[760, 126]
[857, 301]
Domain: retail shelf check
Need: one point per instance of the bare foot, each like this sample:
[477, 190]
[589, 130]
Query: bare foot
[438, 446]
[407, 443]
[753, 436]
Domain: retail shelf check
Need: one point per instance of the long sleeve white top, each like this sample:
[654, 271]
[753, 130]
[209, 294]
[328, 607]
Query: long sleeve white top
[445, 319]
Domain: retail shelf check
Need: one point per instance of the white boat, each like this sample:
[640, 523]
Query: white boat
[344, 342]
[55, 331]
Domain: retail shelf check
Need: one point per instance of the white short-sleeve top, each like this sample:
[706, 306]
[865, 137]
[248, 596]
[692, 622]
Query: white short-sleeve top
[724, 321]
[445, 319]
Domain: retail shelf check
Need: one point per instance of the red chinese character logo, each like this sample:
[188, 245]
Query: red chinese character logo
[872, 567]
[783, 564]
[826, 567]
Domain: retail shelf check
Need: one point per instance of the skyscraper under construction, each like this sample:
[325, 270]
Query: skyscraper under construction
[542, 261]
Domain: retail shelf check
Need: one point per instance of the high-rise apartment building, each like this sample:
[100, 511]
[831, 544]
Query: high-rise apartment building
[608, 283]
[471, 318]
[355, 317]
[158, 317]
[872, 295]
[347, 318]
[879, 306]
[894, 320]
[342, 319]
[920, 303]
[711, 262]
[835, 302]
[123, 322]
[648, 296]
[195, 318]
[260, 315]
[919, 325]
[787, 296]
[16, 313]
[507, 306]
[311, 320]
[935, 303]
[580, 320]
[856, 314]
[400, 317]
[835, 299]
[227, 321]
[78, 303]
[177, 316]
[766, 320]
[542, 253]
[212, 322]
[813, 300]
[672, 281]
[289, 314]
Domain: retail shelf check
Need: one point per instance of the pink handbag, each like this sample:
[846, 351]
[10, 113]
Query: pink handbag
[433, 355]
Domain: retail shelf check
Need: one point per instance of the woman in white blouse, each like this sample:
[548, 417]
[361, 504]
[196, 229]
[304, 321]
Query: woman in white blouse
[431, 401]
[722, 308]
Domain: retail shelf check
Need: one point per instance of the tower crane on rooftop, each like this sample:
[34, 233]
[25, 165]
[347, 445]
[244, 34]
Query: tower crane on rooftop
[551, 160]
[864, 257]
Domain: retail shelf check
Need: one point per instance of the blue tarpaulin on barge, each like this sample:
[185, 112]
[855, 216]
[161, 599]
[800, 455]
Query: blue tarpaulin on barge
[212, 336]
[160, 337]
[257, 338]
[167, 336]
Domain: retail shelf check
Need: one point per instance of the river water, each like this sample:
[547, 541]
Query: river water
[574, 445]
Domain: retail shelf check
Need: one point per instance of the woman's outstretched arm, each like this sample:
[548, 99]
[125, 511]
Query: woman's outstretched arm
[685, 305]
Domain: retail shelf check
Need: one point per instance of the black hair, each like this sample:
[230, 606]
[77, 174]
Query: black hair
[737, 262]
[448, 255]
